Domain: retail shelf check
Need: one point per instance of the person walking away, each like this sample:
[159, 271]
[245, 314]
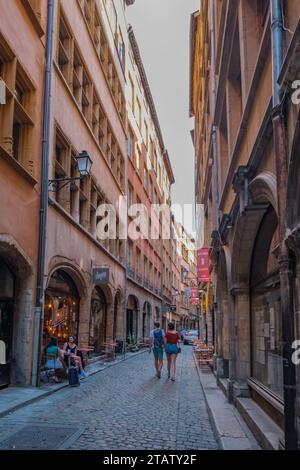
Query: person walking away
[156, 342]
[173, 347]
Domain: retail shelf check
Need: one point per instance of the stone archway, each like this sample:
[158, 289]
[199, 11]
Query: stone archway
[223, 313]
[146, 320]
[132, 317]
[118, 333]
[262, 195]
[98, 320]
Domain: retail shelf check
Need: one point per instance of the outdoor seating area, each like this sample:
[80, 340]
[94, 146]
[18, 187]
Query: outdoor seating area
[203, 353]
[135, 346]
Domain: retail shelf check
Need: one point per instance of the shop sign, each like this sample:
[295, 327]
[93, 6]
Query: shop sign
[203, 265]
[194, 298]
[172, 308]
[100, 276]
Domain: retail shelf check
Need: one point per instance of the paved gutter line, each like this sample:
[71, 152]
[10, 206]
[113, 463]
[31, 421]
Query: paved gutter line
[244, 440]
[46, 393]
[210, 414]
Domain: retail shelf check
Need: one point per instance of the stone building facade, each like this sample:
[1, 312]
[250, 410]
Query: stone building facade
[149, 183]
[246, 136]
[22, 23]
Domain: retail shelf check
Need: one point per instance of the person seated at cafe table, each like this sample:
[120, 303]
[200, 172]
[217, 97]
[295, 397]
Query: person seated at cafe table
[54, 357]
[71, 349]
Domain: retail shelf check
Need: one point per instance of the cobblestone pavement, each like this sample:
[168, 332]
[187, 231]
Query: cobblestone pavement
[123, 407]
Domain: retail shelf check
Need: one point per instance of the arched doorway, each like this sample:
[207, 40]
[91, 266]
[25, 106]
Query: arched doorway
[157, 314]
[61, 317]
[132, 320]
[265, 299]
[221, 327]
[7, 292]
[98, 320]
[146, 320]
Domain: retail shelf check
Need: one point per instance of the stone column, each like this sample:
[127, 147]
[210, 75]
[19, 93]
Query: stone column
[241, 349]
[84, 319]
[22, 334]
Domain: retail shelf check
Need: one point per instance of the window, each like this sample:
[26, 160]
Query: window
[16, 123]
[146, 134]
[139, 114]
[113, 17]
[129, 254]
[130, 145]
[151, 190]
[159, 176]
[131, 88]
[99, 121]
[64, 49]
[138, 261]
[97, 30]
[138, 161]
[145, 179]
[145, 268]
[121, 48]
[130, 195]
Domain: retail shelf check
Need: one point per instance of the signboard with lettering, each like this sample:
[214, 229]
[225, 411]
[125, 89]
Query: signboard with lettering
[172, 308]
[100, 276]
[203, 265]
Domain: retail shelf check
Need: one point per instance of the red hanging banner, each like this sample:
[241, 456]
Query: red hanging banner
[203, 265]
[194, 299]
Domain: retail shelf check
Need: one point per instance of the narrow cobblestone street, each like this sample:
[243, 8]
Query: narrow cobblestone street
[123, 407]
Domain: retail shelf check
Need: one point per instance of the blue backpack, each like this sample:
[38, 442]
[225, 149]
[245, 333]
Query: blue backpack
[157, 339]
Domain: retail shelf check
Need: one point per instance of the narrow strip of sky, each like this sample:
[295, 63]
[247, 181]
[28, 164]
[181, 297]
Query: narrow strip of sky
[162, 31]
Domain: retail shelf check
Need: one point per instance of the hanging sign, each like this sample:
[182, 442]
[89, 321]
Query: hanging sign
[100, 276]
[194, 298]
[203, 265]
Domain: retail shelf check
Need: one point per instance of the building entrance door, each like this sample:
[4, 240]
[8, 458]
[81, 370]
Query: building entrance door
[6, 322]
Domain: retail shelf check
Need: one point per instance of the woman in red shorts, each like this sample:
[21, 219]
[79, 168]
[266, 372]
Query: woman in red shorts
[172, 347]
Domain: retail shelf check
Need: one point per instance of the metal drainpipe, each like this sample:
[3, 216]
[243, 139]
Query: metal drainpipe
[40, 288]
[289, 375]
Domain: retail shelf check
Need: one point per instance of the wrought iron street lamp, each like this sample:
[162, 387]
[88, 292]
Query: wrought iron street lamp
[84, 165]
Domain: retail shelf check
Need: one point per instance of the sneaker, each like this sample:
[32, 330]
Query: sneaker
[173, 379]
[83, 375]
[158, 375]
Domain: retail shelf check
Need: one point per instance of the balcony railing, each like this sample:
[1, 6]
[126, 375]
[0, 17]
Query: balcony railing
[139, 278]
[146, 283]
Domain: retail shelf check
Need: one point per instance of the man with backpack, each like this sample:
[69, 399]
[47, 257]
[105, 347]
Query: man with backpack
[156, 342]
